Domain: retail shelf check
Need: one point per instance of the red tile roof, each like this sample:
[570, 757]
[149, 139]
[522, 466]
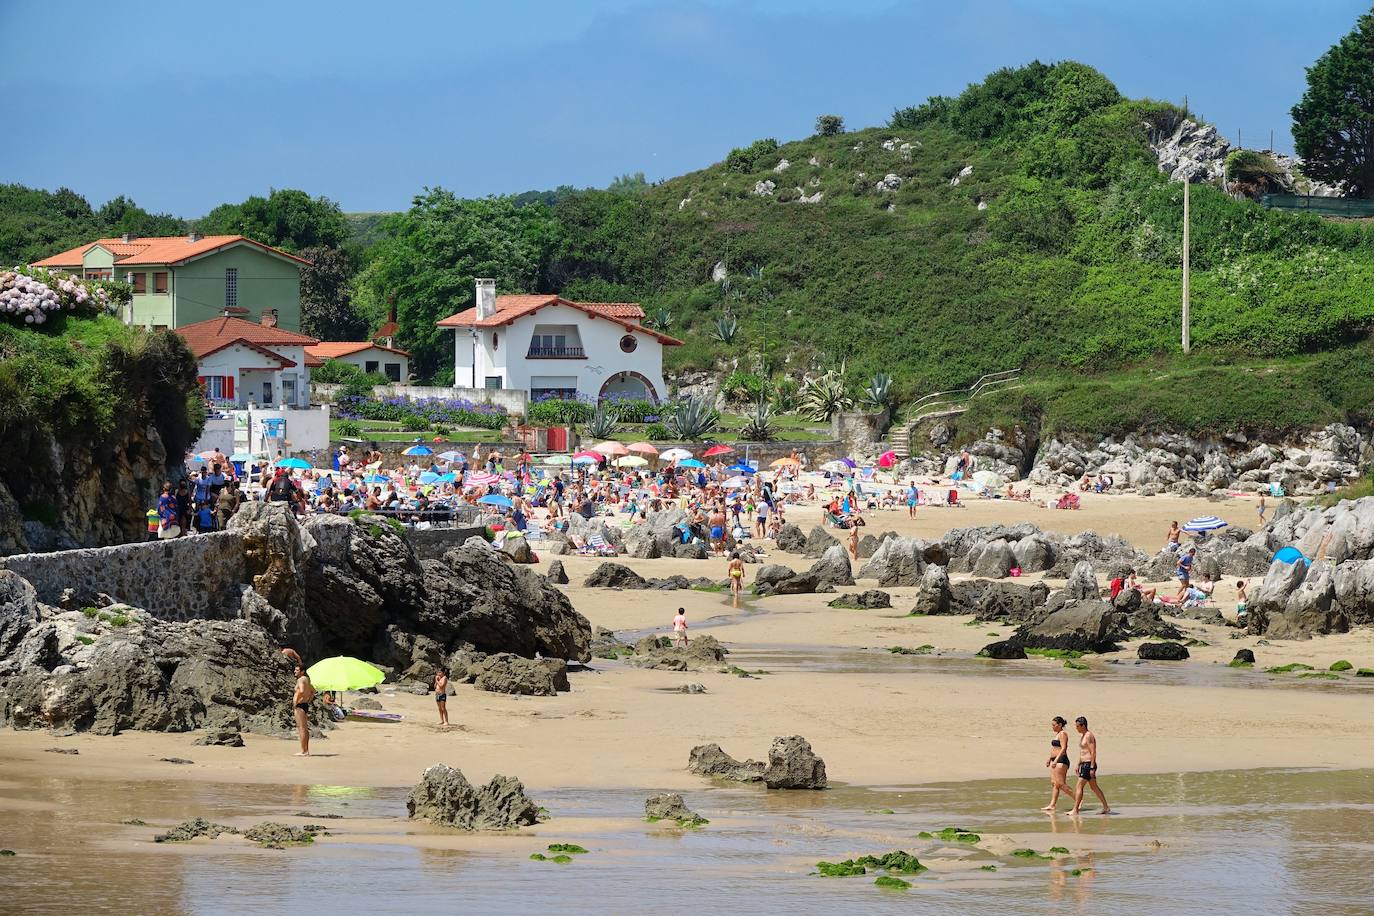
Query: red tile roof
[156, 250]
[206, 337]
[333, 349]
[509, 308]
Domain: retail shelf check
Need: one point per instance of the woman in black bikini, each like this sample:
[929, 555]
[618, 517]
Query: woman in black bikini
[1058, 762]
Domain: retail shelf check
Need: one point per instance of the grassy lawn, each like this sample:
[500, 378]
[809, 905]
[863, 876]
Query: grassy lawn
[390, 431]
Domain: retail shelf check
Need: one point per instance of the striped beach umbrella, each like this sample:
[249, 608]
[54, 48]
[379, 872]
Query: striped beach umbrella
[481, 479]
[1203, 523]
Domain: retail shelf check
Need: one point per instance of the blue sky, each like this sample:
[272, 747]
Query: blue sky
[184, 106]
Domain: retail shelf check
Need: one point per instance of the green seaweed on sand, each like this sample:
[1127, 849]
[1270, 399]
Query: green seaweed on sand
[560, 859]
[135, 822]
[880, 811]
[1076, 666]
[896, 862]
[713, 587]
[570, 848]
[1056, 653]
[1027, 854]
[993, 633]
[1365, 672]
[890, 882]
[846, 869]
[1321, 675]
[1196, 643]
[919, 650]
[1341, 665]
[987, 868]
[1284, 669]
[1059, 850]
[952, 835]
[1239, 663]
[7, 852]
[1080, 871]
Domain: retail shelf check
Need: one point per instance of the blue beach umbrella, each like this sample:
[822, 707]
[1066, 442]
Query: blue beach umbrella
[429, 477]
[418, 450]
[376, 478]
[451, 455]
[296, 464]
[744, 469]
[496, 499]
[1289, 555]
[690, 463]
[1204, 523]
[450, 477]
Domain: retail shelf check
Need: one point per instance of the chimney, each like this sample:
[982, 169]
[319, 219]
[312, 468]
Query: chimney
[486, 298]
[193, 236]
[269, 318]
[128, 237]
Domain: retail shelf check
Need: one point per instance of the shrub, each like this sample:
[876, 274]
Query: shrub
[338, 372]
[603, 422]
[824, 396]
[786, 395]
[828, 125]
[743, 387]
[558, 412]
[350, 428]
[759, 427]
[429, 411]
[692, 419]
[414, 423]
[749, 158]
[656, 431]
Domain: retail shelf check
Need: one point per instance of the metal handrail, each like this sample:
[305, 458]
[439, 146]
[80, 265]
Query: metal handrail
[992, 378]
[556, 353]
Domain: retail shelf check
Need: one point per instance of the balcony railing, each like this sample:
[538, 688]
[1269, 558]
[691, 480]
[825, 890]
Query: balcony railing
[556, 353]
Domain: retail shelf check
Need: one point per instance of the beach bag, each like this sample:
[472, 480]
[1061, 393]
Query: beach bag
[1015, 572]
[166, 532]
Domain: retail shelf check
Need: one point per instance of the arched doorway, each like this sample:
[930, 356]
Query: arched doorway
[628, 386]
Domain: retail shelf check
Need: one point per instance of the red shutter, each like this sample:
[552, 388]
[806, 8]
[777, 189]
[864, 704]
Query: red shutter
[228, 387]
[200, 380]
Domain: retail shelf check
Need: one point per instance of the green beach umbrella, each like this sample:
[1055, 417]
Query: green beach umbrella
[344, 673]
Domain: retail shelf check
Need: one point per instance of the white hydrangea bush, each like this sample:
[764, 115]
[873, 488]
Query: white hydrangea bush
[35, 295]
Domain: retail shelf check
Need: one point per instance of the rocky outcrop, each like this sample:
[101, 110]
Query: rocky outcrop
[506, 673]
[898, 561]
[1191, 152]
[933, 596]
[791, 765]
[1011, 602]
[832, 569]
[1005, 650]
[790, 539]
[1082, 582]
[710, 760]
[18, 611]
[1296, 601]
[668, 806]
[818, 542]
[659, 652]
[1162, 652]
[445, 797]
[870, 599]
[556, 574]
[613, 575]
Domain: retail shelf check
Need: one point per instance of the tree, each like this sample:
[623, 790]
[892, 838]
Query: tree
[828, 125]
[1333, 124]
[629, 184]
[327, 310]
[286, 218]
[430, 255]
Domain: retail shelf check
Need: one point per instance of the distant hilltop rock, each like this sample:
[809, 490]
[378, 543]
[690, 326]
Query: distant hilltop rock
[1197, 153]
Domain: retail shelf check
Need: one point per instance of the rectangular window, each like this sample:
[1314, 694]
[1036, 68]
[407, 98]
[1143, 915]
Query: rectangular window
[370, 365]
[288, 392]
[98, 273]
[231, 287]
[159, 281]
[140, 282]
[393, 372]
[218, 387]
[494, 382]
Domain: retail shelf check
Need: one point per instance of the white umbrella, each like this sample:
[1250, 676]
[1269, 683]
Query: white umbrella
[1204, 523]
[630, 461]
[836, 467]
[989, 479]
[676, 454]
[736, 483]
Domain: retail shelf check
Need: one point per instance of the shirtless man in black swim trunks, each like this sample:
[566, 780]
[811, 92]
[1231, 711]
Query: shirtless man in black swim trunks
[1087, 767]
[1058, 762]
[300, 703]
[441, 694]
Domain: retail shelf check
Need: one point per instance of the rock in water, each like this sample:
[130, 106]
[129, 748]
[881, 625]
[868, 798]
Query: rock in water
[274, 835]
[832, 569]
[189, 830]
[1162, 651]
[933, 597]
[614, 575]
[1080, 626]
[793, 765]
[667, 806]
[444, 796]
[556, 574]
[1244, 657]
[1006, 650]
[710, 760]
[791, 539]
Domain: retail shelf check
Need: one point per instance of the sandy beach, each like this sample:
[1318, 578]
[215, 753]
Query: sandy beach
[875, 719]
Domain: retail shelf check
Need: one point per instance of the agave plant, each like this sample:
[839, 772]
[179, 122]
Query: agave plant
[878, 394]
[824, 396]
[759, 427]
[725, 330]
[692, 419]
[663, 319]
[602, 423]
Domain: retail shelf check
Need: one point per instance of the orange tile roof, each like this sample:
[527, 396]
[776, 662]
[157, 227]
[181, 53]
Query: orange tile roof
[156, 250]
[213, 335]
[333, 349]
[509, 308]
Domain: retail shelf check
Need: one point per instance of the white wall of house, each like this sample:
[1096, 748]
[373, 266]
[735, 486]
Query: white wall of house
[253, 370]
[501, 354]
[381, 361]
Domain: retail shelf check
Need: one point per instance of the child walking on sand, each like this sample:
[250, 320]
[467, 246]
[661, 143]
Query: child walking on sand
[680, 628]
[441, 694]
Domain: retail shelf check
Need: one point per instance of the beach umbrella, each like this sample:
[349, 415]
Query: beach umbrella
[451, 455]
[242, 456]
[715, 450]
[429, 477]
[990, 479]
[1202, 523]
[450, 477]
[588, 453]
[630, 461]
[584, 458]
[744, 469]
[558, 460]
[376, 478]
[207, 455]
[496, 499]
[676, 454]
[481, 479]
[691, 463]
[643, 448]
[849, 463]
[1289, 555]
[887, 459]
[736, 483]
[293, 463]
[782, 462]
[195, 459]
[611, 449]
[344, 673]
[835, 467]
[418, 450]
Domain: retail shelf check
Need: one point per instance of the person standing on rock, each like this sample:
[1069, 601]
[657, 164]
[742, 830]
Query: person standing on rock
[1087, 767]
[680, 629]
[441, 694]
[1058, 762]
[300, 705]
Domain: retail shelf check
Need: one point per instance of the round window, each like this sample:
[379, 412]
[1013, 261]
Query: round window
[628, 343]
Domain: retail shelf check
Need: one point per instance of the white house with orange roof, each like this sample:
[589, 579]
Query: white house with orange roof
[367, 355]
[550, 346]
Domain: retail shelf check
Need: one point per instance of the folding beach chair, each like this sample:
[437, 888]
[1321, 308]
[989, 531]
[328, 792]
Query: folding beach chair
[596, 546]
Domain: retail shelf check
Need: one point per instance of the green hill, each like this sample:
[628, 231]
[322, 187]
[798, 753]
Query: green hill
[1027, 225]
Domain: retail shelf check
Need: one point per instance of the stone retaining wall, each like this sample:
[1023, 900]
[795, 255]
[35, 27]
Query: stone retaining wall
[190, 578]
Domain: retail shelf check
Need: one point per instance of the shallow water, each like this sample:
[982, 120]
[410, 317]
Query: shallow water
[1258, 841]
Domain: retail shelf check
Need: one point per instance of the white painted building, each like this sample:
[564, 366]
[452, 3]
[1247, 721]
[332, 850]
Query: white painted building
[548, 345]
[368, 356]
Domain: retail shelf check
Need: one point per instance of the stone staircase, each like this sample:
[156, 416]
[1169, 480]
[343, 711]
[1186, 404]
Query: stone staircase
[947, 404]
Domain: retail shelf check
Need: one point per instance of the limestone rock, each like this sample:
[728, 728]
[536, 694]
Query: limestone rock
[1162, 651]
[445, 797]
[1244, 657]
[518, 549]
[994, 561]
[556, 574]
[1082, 625]
[614, 575]
[898, 561]
[668, 806]
[1082, 582]
[1005, 650]
[832, 569]
[710, 760]
[818, 542]
[790, 539]
[793, 765]
[1011, 601]
[506, 673]
[870, 599]
[18, 610]
[933, 596]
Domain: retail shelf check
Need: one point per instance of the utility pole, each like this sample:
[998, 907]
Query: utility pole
[1187, 343]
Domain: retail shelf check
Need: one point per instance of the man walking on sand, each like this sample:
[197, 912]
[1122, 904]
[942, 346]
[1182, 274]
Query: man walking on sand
[1087, 767]
[441, 694]
[300, 704]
